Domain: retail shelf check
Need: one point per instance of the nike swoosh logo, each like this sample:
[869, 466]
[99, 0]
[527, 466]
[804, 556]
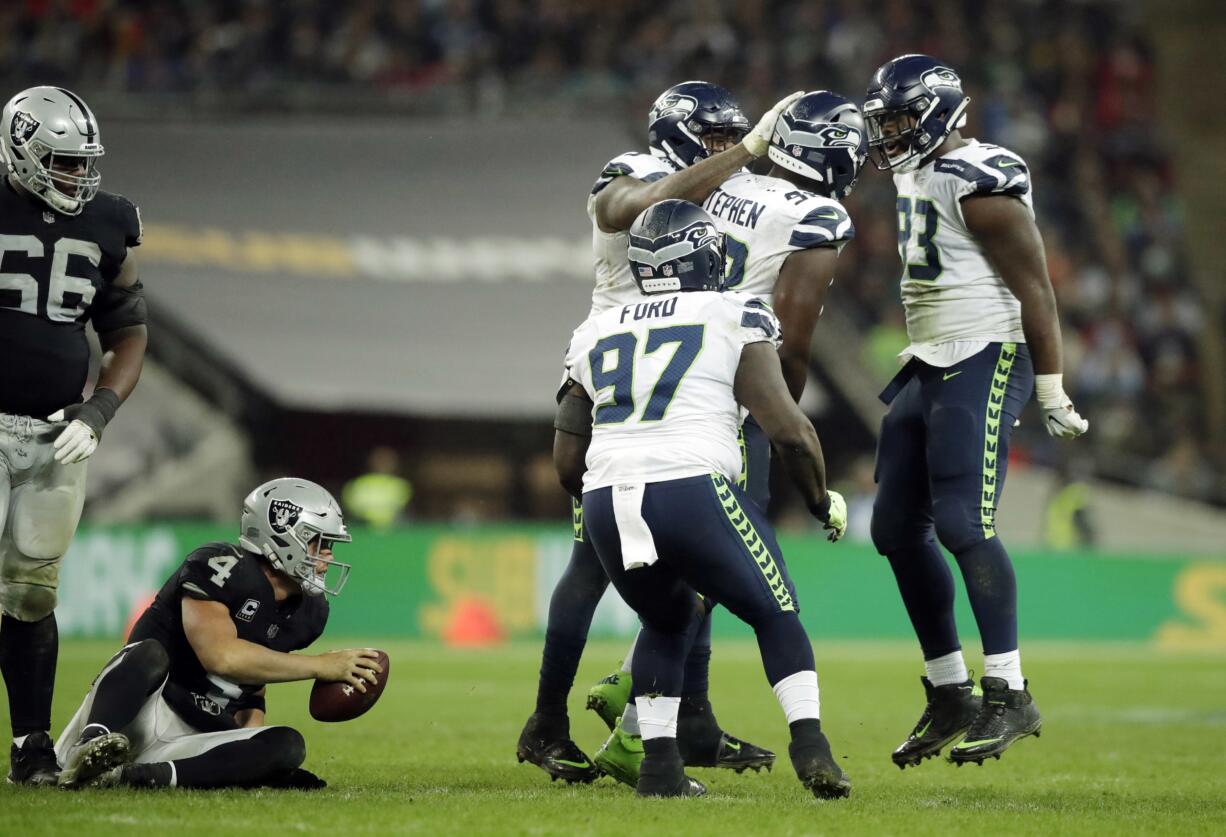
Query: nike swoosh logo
[1008, 164]
[920, 733]
[949, 375]
[966, 745]
[828, 215]
[733, 745]
[579, 764]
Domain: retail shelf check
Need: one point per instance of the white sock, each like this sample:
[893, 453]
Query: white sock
[630, 720]
[626, 663]
[658, 716]
[18, 740]
[174, 775]
[799, 696]
[950, 668]
[1007, 666]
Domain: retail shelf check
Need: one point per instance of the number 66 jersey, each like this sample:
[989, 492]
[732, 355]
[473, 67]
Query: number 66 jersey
[222, 572]
[660, 374]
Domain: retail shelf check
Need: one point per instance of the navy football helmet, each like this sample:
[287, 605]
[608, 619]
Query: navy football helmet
[821, 137]
[675, 246]
[685, 113]
[926, 91]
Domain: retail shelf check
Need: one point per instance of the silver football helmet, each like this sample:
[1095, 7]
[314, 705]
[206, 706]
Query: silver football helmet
[282, 517]
[50, 142]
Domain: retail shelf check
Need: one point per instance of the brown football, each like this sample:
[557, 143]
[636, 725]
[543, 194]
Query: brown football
[342, 702]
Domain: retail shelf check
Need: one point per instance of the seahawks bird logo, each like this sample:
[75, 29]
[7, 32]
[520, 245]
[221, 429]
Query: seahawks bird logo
[282, 515]
[23, 127]
[673, 103]
[941, 77]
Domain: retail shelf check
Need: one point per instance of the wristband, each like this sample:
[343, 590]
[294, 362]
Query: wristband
[821, 510]
[1049, 390]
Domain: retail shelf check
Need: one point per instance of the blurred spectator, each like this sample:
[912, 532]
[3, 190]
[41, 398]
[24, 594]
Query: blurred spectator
[1067, 519]
[378, 498]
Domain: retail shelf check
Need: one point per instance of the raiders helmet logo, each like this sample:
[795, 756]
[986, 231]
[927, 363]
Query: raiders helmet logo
[282, 515]
[23, 127]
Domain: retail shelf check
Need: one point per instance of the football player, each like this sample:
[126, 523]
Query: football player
[783, 233]
[981, 317]
[67, 260]
[183, 703]
[698, 136]
[664, 380]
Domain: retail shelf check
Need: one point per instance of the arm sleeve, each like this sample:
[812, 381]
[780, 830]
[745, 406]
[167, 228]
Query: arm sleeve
[825, 225]
[641, 166]
[997, 172]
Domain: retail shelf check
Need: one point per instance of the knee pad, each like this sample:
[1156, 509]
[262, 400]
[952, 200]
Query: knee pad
[40, 543]
[892, 528]
[27, 602]
[286, 746]
[958, 521]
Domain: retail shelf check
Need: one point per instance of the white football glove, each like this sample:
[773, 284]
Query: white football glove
[1059, 417]
[76, 442]
[835, 519]
[758, 140]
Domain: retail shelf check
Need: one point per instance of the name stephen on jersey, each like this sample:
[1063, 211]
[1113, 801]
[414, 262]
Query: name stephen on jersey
[744, 212]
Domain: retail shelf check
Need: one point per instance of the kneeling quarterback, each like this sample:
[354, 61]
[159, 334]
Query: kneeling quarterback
[183, 703]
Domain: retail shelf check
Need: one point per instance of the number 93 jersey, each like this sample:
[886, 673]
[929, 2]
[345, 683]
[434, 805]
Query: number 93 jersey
[766, 219]
[949, 288]
[52, 266]
[660, 373]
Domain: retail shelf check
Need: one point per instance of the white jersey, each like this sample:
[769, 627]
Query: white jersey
[614, 283]
[660, 373]
[951, 292]
[766, 219]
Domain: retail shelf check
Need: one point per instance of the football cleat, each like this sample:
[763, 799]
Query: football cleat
[154, 775]
[34, 762]
[608, 698]
[97, 751]
[1005, 716]
[546, 743]
[703, 744]
[816, 768]
[621, 755]
[950, 711]
[666, 777]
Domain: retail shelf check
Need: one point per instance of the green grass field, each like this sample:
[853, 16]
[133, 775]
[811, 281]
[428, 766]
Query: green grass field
[1134, 742]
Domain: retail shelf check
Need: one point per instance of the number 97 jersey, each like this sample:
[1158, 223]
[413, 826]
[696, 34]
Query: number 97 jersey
[660, 373]
[949, 288]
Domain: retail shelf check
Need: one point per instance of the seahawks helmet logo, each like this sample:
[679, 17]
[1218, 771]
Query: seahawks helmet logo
[673, 103]
[282, 515]
[701, 234]
[839, 136]
[23, 127]
[941, 77]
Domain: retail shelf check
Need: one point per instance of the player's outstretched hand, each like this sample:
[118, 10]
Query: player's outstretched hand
[355, 666]
[76, 442]
[833, 516]
[1059, 417]
[758, 140]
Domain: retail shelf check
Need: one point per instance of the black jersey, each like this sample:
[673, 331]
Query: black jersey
[52, 267]
[222, 572]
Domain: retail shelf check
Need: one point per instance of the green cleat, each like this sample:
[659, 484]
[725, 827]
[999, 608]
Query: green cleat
[621, 755]
[1007, 715]
[608, 698]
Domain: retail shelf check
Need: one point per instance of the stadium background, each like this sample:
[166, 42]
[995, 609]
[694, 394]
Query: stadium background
[365, 230]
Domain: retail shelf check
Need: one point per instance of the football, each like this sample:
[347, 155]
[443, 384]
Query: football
[334, 701]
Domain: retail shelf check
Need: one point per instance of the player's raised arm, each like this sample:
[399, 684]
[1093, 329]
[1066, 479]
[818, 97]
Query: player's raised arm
[800, 294]
[212, 634]
[761, 389]
[624, 198]
[1006, 231]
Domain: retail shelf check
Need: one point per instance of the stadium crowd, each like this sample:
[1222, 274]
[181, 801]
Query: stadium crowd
[1066, 85]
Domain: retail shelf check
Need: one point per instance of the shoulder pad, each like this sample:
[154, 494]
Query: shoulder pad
[124, 214]
[822, 225]
[633, 164]
[986, 170]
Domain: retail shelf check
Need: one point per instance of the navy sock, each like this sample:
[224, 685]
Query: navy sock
[698, 663]
[991, 586]
[28, 653]
[571, 607]
[927, 588]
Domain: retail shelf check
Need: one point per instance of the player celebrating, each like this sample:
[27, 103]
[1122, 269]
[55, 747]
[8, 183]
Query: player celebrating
[183, 703]
[664, 380]
[698, 136]
[67, 253]
[981, 316]
[783, 234]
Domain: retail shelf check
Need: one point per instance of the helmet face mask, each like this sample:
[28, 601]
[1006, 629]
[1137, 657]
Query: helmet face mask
[294, 523]
[675, 246]
[821, 137]
[687, 115]
[913, 104]
[49, 139]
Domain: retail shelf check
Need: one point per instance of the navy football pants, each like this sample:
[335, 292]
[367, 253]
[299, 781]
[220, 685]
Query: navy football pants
[941, 464]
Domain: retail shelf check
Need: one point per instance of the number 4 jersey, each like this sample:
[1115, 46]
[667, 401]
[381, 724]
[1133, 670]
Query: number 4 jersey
[222, 572]
[660, 372]
[51, 268]
[951, 292]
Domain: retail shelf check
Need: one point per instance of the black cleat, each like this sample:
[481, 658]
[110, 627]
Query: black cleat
[545, 742]
[1006, 716]
[816, 768]
[703, 744]
[34, 763]
[666, 777]
[949, 714]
